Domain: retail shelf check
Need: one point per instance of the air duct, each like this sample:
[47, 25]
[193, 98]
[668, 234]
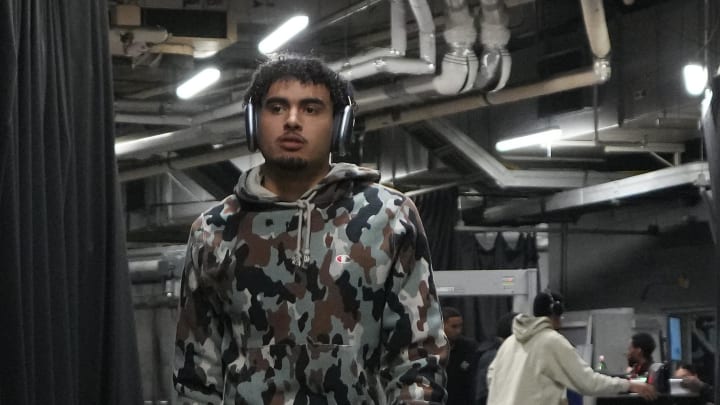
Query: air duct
[392, 60]
[692, 173]
[598, 73]
[459, 65]
[495, 60]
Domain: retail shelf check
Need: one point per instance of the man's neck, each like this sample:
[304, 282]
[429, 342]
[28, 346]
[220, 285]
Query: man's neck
[290, 185]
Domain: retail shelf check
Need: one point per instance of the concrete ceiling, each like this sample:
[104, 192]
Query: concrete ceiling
[635, 121]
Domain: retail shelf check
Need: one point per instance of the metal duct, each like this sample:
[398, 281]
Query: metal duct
[495, 60]
[692, 173]
[459, 65]
[598, 73]
[504, 178]
[392, 60]
[216, 132]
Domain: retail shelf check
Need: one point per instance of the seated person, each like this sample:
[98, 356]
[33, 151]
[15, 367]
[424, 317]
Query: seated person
[691, 381]
[639, 355]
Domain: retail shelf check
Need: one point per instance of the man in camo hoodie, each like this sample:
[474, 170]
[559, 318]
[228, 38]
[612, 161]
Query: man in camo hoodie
[311, 283]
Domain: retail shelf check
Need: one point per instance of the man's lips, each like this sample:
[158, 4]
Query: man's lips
[291, 141]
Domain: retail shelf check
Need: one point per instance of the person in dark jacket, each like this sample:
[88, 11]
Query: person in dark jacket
[503, 330]
[691, 381]
[462, 362]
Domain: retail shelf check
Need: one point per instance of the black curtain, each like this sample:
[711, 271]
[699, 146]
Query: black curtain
[67, 326]
[452, 250]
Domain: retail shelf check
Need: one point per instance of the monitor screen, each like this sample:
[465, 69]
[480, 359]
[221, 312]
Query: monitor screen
[674, 338]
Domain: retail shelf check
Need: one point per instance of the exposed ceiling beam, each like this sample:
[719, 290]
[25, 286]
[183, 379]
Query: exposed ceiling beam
[692, 173]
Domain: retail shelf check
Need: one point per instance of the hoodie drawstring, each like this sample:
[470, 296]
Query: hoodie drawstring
[302, 254]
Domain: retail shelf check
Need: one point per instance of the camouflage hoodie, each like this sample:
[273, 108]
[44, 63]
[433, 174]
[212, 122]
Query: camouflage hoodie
[325, 300]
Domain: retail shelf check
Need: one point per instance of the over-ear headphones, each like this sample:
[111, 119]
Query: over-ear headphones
[556, 307]
[343, 121]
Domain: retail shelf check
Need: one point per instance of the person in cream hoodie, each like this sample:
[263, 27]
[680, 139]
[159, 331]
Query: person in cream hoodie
[536, 365]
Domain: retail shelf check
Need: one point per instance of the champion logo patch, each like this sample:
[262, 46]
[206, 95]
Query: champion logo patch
[343, 259]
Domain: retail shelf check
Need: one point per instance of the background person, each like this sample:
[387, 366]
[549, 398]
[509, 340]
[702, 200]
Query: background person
[536, 364]
[690, 380]
[463, 359]
[503, 329]
[639, 354]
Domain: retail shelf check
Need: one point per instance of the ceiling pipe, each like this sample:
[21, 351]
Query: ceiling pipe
[180, 163]
[505, 178]
[495, 60]
[459, 65]
[473, 101]
[224, 111]
[157, 107]
[339, 16]
[216, 132]
[398, 41]
[392, 60]
[598, 73]
[134, 40]
[692, 173]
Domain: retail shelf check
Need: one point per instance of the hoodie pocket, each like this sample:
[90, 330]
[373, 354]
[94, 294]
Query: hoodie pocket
[308, 370]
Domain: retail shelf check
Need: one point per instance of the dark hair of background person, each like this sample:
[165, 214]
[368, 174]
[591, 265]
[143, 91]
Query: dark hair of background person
[689, 367]
[450, 312]
[304, 69]
[645, 342]
[543, 303]
[503, 327]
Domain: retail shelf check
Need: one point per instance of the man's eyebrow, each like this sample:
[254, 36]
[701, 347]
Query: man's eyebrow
[281, 100]
[304, 101]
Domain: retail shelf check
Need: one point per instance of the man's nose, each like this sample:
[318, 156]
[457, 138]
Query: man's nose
[293, 118]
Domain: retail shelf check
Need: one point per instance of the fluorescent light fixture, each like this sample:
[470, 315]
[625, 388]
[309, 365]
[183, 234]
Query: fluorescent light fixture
[198, 83]
[695, 77]
[283, 33]
[539, 138]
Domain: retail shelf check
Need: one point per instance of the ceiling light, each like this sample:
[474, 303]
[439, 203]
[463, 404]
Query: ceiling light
[197, 83]
[695, 77]
[283, 33]
[539, 138]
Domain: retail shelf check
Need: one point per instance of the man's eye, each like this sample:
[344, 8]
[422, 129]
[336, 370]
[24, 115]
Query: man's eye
[275, 108]
[311, 109]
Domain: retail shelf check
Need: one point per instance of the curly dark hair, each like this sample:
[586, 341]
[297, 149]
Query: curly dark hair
[304, 69]
[645, 342]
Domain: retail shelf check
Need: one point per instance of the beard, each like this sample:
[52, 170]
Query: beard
[287, 163]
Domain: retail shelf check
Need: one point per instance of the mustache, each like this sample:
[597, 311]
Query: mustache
[292, 136]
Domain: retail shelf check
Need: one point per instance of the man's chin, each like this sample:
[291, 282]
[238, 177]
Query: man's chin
[287, 163]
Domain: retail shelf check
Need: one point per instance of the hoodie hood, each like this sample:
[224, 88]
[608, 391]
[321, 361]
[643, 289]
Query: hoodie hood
[249, 187]
[336, 184]
[526, 326]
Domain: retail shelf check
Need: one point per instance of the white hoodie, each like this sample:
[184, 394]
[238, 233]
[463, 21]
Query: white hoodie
[536, 365]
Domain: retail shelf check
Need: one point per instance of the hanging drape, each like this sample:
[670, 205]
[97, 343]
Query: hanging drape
[67, 327]
[452, 250]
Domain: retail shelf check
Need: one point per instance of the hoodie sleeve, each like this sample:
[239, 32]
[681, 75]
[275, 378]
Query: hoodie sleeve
[198, 371]
[572, 371]
[415, 343]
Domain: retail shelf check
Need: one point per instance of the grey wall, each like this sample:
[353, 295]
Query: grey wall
[613, 270]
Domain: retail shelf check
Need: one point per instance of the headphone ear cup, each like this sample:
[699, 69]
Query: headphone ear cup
[556, 307]
[342, 130]
[251, 128]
